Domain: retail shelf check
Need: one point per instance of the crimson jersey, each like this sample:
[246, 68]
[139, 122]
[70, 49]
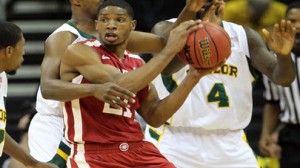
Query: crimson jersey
[89, 120]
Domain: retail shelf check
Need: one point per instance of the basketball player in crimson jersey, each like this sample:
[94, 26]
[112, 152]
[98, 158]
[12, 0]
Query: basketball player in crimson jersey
[102, 136]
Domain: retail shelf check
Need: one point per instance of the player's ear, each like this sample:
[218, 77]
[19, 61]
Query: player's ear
[8, 51]
[133, 24]
[75, 2]
[96, 23]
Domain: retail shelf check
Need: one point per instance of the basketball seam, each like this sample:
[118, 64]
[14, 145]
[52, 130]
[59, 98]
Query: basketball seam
[226, 35]
[217, 52]
[195, 45]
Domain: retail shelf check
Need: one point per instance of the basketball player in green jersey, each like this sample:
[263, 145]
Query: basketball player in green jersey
[207, 131]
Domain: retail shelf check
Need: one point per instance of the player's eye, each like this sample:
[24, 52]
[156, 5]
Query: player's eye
[121, 20]
[103, 20]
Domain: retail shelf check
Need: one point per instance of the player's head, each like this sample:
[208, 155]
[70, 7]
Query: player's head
[293, 14]
[11, 47]
[85, 8]
[115, 22]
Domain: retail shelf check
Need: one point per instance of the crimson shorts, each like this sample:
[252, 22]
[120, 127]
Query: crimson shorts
[119, 155]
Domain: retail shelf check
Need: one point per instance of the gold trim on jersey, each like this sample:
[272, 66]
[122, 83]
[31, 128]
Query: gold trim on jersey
[3, 116]
[62, 154]
[155, 134]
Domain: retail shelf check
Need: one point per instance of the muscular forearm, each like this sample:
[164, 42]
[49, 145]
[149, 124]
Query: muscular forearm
[284, 72]
[165, 108]
[145, 74]
[16, 151]
[65, 91]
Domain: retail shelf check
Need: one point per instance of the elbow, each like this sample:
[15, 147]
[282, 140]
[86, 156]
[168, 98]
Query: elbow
[46, 91]
[155, 121]
[166, 73]
[155, 124]
[287, 81]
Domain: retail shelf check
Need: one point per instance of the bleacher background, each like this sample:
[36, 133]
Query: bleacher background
[38, 18]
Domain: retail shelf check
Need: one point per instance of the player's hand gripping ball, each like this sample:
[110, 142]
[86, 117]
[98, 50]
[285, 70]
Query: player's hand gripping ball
[207, 47]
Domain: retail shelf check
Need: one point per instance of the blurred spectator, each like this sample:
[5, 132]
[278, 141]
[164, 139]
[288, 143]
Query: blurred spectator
[257, 14]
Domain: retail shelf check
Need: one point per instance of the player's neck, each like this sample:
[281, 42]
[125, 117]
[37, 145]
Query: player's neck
[118, 50]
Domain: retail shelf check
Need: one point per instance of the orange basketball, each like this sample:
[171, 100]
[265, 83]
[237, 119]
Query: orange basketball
[206, 47]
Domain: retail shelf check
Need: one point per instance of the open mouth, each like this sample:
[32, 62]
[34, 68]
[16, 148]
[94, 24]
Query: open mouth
[111, 37]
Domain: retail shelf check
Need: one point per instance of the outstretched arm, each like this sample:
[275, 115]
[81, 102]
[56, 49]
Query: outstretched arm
[13, 149]
[280, 69]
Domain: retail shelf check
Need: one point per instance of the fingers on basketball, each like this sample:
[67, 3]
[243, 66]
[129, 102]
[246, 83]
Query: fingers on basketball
[206, 47]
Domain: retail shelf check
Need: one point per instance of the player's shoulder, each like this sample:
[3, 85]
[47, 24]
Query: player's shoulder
[162, 25]
[65, 31]
[91, 42]
[132, 55]
[231, 24]
[67, 27]
[251, 33]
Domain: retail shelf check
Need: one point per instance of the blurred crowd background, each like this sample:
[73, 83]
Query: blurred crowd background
[38, 18]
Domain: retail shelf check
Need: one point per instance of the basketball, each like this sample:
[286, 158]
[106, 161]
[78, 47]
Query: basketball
[206, 47]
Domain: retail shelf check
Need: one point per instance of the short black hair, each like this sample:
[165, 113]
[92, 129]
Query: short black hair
[118, 3]
[292, 6]
[10, 34]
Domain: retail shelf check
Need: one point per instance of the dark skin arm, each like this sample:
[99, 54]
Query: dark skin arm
[142, 42]
[280, 70]
[13, 149]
